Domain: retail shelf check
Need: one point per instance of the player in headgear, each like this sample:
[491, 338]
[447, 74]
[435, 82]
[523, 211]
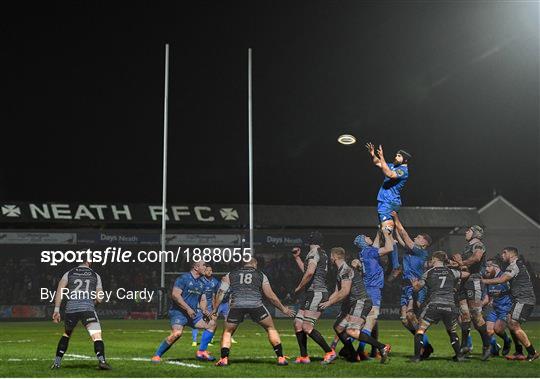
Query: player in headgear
[389, 196]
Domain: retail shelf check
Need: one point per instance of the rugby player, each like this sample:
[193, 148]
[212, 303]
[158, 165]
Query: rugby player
[189, 308]
[389, 196]
[440, 282]
[523, 297]
[247, 286]
[81, 282]
[414, 261]
[369, 256]
[211, 286]
[350, 288]
[473, 259]
[313, 291]
[500, 303]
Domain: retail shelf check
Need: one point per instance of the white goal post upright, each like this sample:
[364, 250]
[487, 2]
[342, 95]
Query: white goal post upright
[164, 194]
[250, 144]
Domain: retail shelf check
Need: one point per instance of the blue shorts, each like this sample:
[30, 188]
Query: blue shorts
[375, 295]
[384, 209]
[223, 309]
[177, 317]
[498, 313]
[408, 294]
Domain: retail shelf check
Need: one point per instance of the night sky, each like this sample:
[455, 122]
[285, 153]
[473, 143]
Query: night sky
[454, 83]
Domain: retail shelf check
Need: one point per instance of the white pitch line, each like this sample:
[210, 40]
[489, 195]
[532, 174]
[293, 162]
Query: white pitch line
[16, 341]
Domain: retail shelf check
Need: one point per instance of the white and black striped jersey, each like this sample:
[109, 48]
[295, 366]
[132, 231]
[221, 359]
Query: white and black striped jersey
[318, 280]
[83, 283]
[358, 289]
[520, 285]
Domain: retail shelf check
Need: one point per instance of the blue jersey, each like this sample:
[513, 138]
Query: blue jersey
[371, 266]
[192, 290]
[211, 286]
[390, 191]
[500, 293]
[414, 262]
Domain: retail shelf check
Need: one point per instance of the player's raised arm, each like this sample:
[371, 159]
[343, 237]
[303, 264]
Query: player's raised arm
[58, 297]
[384, 166]
[388, 242]
[296, 254]
[223, 288]
[371, 149]
[308, 274]
[401, 232]
[478, 253]
[99, 290]
[272, 297]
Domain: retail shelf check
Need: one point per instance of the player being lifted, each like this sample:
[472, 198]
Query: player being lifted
[313, 291]
[470, 295]
[189, 308]
[414, 261]
[389, 196]
[370, 256]
[523, 296]
[500, 300]
[81, 281]
[247, 286]
[211, 286]
[440, 282]
[351, 289]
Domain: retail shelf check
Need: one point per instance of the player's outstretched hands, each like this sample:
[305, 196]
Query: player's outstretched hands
[56, 317]
[289, 312]
[370, 148]
[296, 252]
[394, 214]
[380, 153]
[356, 263]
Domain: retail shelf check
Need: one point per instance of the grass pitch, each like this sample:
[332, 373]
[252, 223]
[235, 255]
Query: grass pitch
[27, 350]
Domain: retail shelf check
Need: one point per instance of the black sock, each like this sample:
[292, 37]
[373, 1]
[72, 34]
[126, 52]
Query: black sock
[517, 344]
[486, 338]
[278, 349]
[454, 341]
[375, 336]
[344, 338]
[317, 337]
[62, 346]
[410, 328]
[99, 349]
[531, 349]
[225, 352]
[301, 337]
[370, 340]
[418, 344]
[465, 331]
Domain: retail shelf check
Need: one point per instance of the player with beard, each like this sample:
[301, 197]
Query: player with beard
[350, 288]
[396, 175]
[523, 297]
[470, 294]
[313, 290]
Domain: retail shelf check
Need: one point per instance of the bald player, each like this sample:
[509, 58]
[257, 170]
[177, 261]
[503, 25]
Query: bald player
[247, 286]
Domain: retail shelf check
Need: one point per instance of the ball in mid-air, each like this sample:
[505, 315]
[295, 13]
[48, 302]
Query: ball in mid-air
[346, 139]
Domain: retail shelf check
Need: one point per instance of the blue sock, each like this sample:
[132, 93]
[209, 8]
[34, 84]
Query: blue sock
[194, 333]
[163, 347]
[205, 340]
[363, 344]
[394, 257]
[469, 341]
[425, 339]
[507, 340]
[493, 341]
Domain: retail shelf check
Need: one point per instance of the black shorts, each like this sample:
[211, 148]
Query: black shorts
[448, 313]
[521, 312]
[472, 289]
[310, 300]
[236, 315]
[343, 312]
[86, 317]
[361, 308]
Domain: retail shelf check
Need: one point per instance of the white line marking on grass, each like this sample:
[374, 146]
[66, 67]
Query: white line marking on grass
[16, 341]
[183, 364]
[78, 357]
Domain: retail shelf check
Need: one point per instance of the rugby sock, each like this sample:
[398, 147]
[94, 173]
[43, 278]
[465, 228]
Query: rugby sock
[486, 338]
[394, 257]
[163, 347]
[469, 340]
[410, 328]
[465, 331]
[505, 337]
[361, 345]
[301, 337]
[61, 348]
[344, 338]
[517, 344]
[278, 349]
[99, 349]
[531, 350]
[425, 340]
[454, 341]
[418, 344]
[375, 335]
[194, 334]
[225, 352]
[205, 339]
[370, 340]
[493, 343]
[317, 337]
